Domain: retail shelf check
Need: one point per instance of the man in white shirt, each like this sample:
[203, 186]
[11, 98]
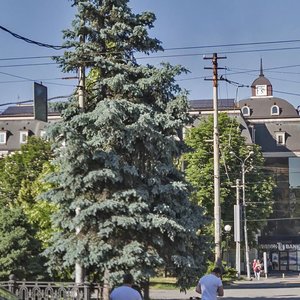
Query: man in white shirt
[125, 292]
[210, 286]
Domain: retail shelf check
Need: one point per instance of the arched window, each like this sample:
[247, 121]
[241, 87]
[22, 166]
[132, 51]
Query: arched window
[246, 111]
[275, 110]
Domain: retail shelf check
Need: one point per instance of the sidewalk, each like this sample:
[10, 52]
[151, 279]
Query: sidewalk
[273, 281]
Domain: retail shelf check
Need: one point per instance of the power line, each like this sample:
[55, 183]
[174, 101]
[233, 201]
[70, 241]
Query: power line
[267, 220]
[276, 91]
[29, 101]
[31, 41]
[34, 80]
[219, 52]
[28, 65]
[233, 45]
[28, 57]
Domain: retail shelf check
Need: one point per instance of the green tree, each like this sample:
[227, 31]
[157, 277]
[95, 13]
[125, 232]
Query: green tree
[199, 171]
[20, 225]
[19, 250]
[38, 210]
[117, 163]
[22, 166]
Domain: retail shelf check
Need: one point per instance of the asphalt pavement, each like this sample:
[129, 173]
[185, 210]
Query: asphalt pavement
[278, 286]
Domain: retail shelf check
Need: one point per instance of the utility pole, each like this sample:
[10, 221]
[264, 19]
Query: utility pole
[243, 162]
[237, 230]
[217, 207]
[79, 269]
[245, 222]
[81, 85]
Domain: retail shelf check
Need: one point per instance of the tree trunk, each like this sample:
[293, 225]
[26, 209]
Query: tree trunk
[106, 288]
[146, 290]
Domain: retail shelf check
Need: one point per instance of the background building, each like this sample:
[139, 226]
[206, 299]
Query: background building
[273, 124]
[17, 123]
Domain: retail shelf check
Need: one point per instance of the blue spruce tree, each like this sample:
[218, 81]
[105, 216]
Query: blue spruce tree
[123, 204]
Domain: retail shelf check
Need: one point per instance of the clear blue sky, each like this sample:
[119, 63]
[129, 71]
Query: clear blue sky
[180, 24]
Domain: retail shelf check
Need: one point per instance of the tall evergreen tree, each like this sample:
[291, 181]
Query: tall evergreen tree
[116, 165]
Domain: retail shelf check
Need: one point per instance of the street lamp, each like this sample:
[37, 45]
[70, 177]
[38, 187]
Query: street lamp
[243, 161]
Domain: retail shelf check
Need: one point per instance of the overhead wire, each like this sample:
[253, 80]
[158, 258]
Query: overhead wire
[27, 40]
[161, 56]
[60, 47]
[30, 101]
[234, 45]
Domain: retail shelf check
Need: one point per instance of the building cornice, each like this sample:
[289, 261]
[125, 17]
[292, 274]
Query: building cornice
[25, 118]
[210, 112]
[261, 121]
[281, 154]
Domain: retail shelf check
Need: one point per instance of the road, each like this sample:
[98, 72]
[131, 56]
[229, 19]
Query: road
[273, 288]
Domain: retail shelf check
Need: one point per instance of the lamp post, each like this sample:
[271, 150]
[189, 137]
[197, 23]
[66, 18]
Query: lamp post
[227, 229]
[243, 161]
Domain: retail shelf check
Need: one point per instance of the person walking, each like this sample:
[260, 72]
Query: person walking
[210, 285]
[257, 269]
[253, 266]
[126, 292]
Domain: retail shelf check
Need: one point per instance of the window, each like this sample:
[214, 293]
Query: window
[23, 137]
[3, 137]
[280, 138]
[294, 173]
[252, 132]
[246, 111]
[43, 134]
[275, 110]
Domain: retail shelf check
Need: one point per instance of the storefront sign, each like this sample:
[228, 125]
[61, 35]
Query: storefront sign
[280, 246]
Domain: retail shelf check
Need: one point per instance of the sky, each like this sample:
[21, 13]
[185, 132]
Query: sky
[243, 31]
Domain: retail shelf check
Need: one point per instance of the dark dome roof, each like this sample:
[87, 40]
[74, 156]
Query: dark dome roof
[261, 80]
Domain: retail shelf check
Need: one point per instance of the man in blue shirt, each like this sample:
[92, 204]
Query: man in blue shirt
[125, 292]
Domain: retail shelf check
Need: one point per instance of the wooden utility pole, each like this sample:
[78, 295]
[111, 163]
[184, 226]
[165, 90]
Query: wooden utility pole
[79, 269]
[217, 207]
[81, 87]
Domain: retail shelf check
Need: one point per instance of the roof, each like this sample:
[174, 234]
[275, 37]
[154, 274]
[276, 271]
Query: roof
[260, 108]
[24, 110]
[18, 110]
[261, 80]
[13, 129]
[207, 104]
[18, 119]
[265, 136]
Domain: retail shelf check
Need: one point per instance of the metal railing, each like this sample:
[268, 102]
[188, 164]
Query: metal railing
[38, 290]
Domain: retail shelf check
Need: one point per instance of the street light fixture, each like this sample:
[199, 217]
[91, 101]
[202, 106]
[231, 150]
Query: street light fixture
[227, 228]
[243, 161]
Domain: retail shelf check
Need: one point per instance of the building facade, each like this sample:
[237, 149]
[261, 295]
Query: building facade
[17, 123]
[273, 124]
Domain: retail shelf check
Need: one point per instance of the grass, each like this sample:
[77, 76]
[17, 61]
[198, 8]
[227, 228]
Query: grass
[166, 283]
